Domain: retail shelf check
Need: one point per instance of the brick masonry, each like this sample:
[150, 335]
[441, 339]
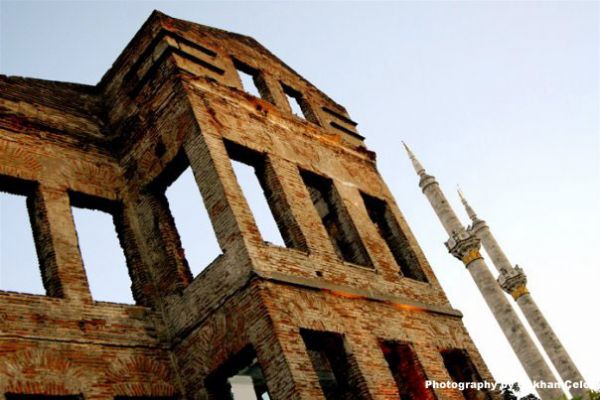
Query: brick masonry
[171, 98]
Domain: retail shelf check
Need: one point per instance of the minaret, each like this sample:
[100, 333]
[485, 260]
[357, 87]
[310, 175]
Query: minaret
[514, 282]
[465, 246]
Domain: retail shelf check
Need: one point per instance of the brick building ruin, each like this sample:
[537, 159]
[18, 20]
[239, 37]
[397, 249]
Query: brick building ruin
[348, 309]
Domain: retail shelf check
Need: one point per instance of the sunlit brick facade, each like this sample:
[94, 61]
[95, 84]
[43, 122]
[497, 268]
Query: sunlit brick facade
[349, 308]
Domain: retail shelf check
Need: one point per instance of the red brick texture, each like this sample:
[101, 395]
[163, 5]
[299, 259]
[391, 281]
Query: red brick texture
[171, 100]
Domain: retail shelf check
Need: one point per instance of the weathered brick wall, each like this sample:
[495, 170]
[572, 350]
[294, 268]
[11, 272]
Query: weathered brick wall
[269, 315]
[57, 346]
[171, 100]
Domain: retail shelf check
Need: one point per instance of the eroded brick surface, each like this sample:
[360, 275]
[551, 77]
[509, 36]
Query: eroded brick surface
[171, 100]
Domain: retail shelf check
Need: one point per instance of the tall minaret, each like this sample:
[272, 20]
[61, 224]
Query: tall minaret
[465, 246]
[514, 282]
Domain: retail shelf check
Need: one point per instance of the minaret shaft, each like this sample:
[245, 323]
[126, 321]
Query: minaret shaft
[491, 246]
[556, 352]
[514, 331]
[549, 340]
[465, 246]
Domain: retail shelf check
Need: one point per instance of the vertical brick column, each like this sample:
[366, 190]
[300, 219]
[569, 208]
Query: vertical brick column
[372, 367]
[56, 241]
[374, 244]
[281, 195]
[277, 93]
[274, 364]
[142, 286]
[230, 216]
[412, 242]
[305, 380]
[152, 228]
[302, 207]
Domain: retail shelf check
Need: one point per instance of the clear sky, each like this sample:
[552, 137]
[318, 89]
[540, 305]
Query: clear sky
[499, 97]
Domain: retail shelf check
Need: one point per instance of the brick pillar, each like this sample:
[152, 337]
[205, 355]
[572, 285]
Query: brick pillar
[278, 95]
[233, 223]
[142, 285]
[279, 193]
[153, 230]
[56, 241]
[317, 238]
[274, 364]
[372, 367]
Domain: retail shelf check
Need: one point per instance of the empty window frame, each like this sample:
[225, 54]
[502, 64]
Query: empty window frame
[268, 204]
[190, 234]
[461, 369]
[299, 104]
[406, 370]
[337, 372]
[253, 81]
[335, 218]
[394, 237]
[239, 378]
[20, 269]
[99, 228]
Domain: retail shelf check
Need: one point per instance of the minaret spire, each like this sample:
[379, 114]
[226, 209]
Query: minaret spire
[470, 212]
[464, 245]
[415, 162]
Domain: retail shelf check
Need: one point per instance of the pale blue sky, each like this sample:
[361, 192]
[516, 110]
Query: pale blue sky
[501, 97]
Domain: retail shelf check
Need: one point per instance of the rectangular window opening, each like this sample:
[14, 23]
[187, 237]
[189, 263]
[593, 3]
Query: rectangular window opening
[335, 218]
[406, 370]
[253, 81]
[101, 249]
[250, 168]
[248, 77]
[190, 216]
[394, 237]
[20, 269]
[239, 378]
[298, 104]
[338, 374]
[461, 369]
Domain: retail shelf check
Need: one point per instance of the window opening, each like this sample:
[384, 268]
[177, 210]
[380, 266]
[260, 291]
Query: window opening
[101, 250]
[338, 375]
[191, 234]
[406, 370]
[19, 264]
[392, 234]
[192, 222]
[248, 83]
[335, 218]
[298, 104]
[461, 369]
[253, 81]
[239, 378]
[266, 202]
